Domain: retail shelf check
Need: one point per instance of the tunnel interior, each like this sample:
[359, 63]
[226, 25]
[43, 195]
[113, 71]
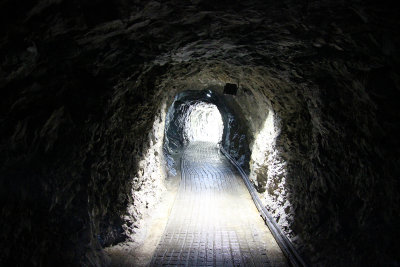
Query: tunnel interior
[91, 100]
[205, 115]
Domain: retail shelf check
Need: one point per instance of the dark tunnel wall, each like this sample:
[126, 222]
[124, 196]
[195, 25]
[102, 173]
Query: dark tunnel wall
[82, 85]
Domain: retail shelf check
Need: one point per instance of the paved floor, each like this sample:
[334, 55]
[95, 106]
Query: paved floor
[214, 221]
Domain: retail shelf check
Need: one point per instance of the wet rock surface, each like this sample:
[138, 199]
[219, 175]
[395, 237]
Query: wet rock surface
[83, 82]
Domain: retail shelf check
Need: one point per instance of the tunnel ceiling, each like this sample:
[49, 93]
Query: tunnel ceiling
[84, 82]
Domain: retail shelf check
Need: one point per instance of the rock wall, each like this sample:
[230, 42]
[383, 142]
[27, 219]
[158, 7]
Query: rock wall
[83, 83]
[268, 174]
[148, 185]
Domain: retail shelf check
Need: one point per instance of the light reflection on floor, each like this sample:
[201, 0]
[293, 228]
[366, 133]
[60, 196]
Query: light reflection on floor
[214, 221]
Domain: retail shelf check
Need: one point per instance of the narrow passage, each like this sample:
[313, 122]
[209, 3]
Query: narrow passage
[214, 221]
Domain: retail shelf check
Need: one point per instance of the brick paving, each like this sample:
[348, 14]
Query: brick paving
[214, 221]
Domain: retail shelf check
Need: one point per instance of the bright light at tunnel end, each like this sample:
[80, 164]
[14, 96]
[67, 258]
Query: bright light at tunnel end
[204, 123]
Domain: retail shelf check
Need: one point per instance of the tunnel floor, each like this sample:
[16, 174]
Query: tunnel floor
[214, 221]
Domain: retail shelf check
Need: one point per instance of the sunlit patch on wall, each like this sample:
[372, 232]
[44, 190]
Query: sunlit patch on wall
[268, 172]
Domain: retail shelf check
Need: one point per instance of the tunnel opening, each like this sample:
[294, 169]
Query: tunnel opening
[203, 123]
[208, 116]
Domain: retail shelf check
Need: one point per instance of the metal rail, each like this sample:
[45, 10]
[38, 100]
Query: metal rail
[284, 243]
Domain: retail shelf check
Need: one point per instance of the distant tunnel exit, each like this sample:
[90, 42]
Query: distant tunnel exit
[204, 123]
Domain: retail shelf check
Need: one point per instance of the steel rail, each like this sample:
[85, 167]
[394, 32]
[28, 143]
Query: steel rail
[284, 243]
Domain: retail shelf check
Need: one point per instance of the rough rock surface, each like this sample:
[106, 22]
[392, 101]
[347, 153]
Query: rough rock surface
[82, 83]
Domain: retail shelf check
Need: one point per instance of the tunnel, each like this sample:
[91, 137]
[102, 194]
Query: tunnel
[113, 112]
[207, 115]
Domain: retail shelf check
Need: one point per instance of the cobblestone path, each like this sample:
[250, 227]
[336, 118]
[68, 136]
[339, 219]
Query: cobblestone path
[214, 221]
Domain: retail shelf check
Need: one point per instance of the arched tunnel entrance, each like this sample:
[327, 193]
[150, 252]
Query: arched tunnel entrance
[204, 124]
[193, 116]
[206, 115]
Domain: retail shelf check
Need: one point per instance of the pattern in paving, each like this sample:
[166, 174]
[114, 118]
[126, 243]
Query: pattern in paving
[214, 221]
